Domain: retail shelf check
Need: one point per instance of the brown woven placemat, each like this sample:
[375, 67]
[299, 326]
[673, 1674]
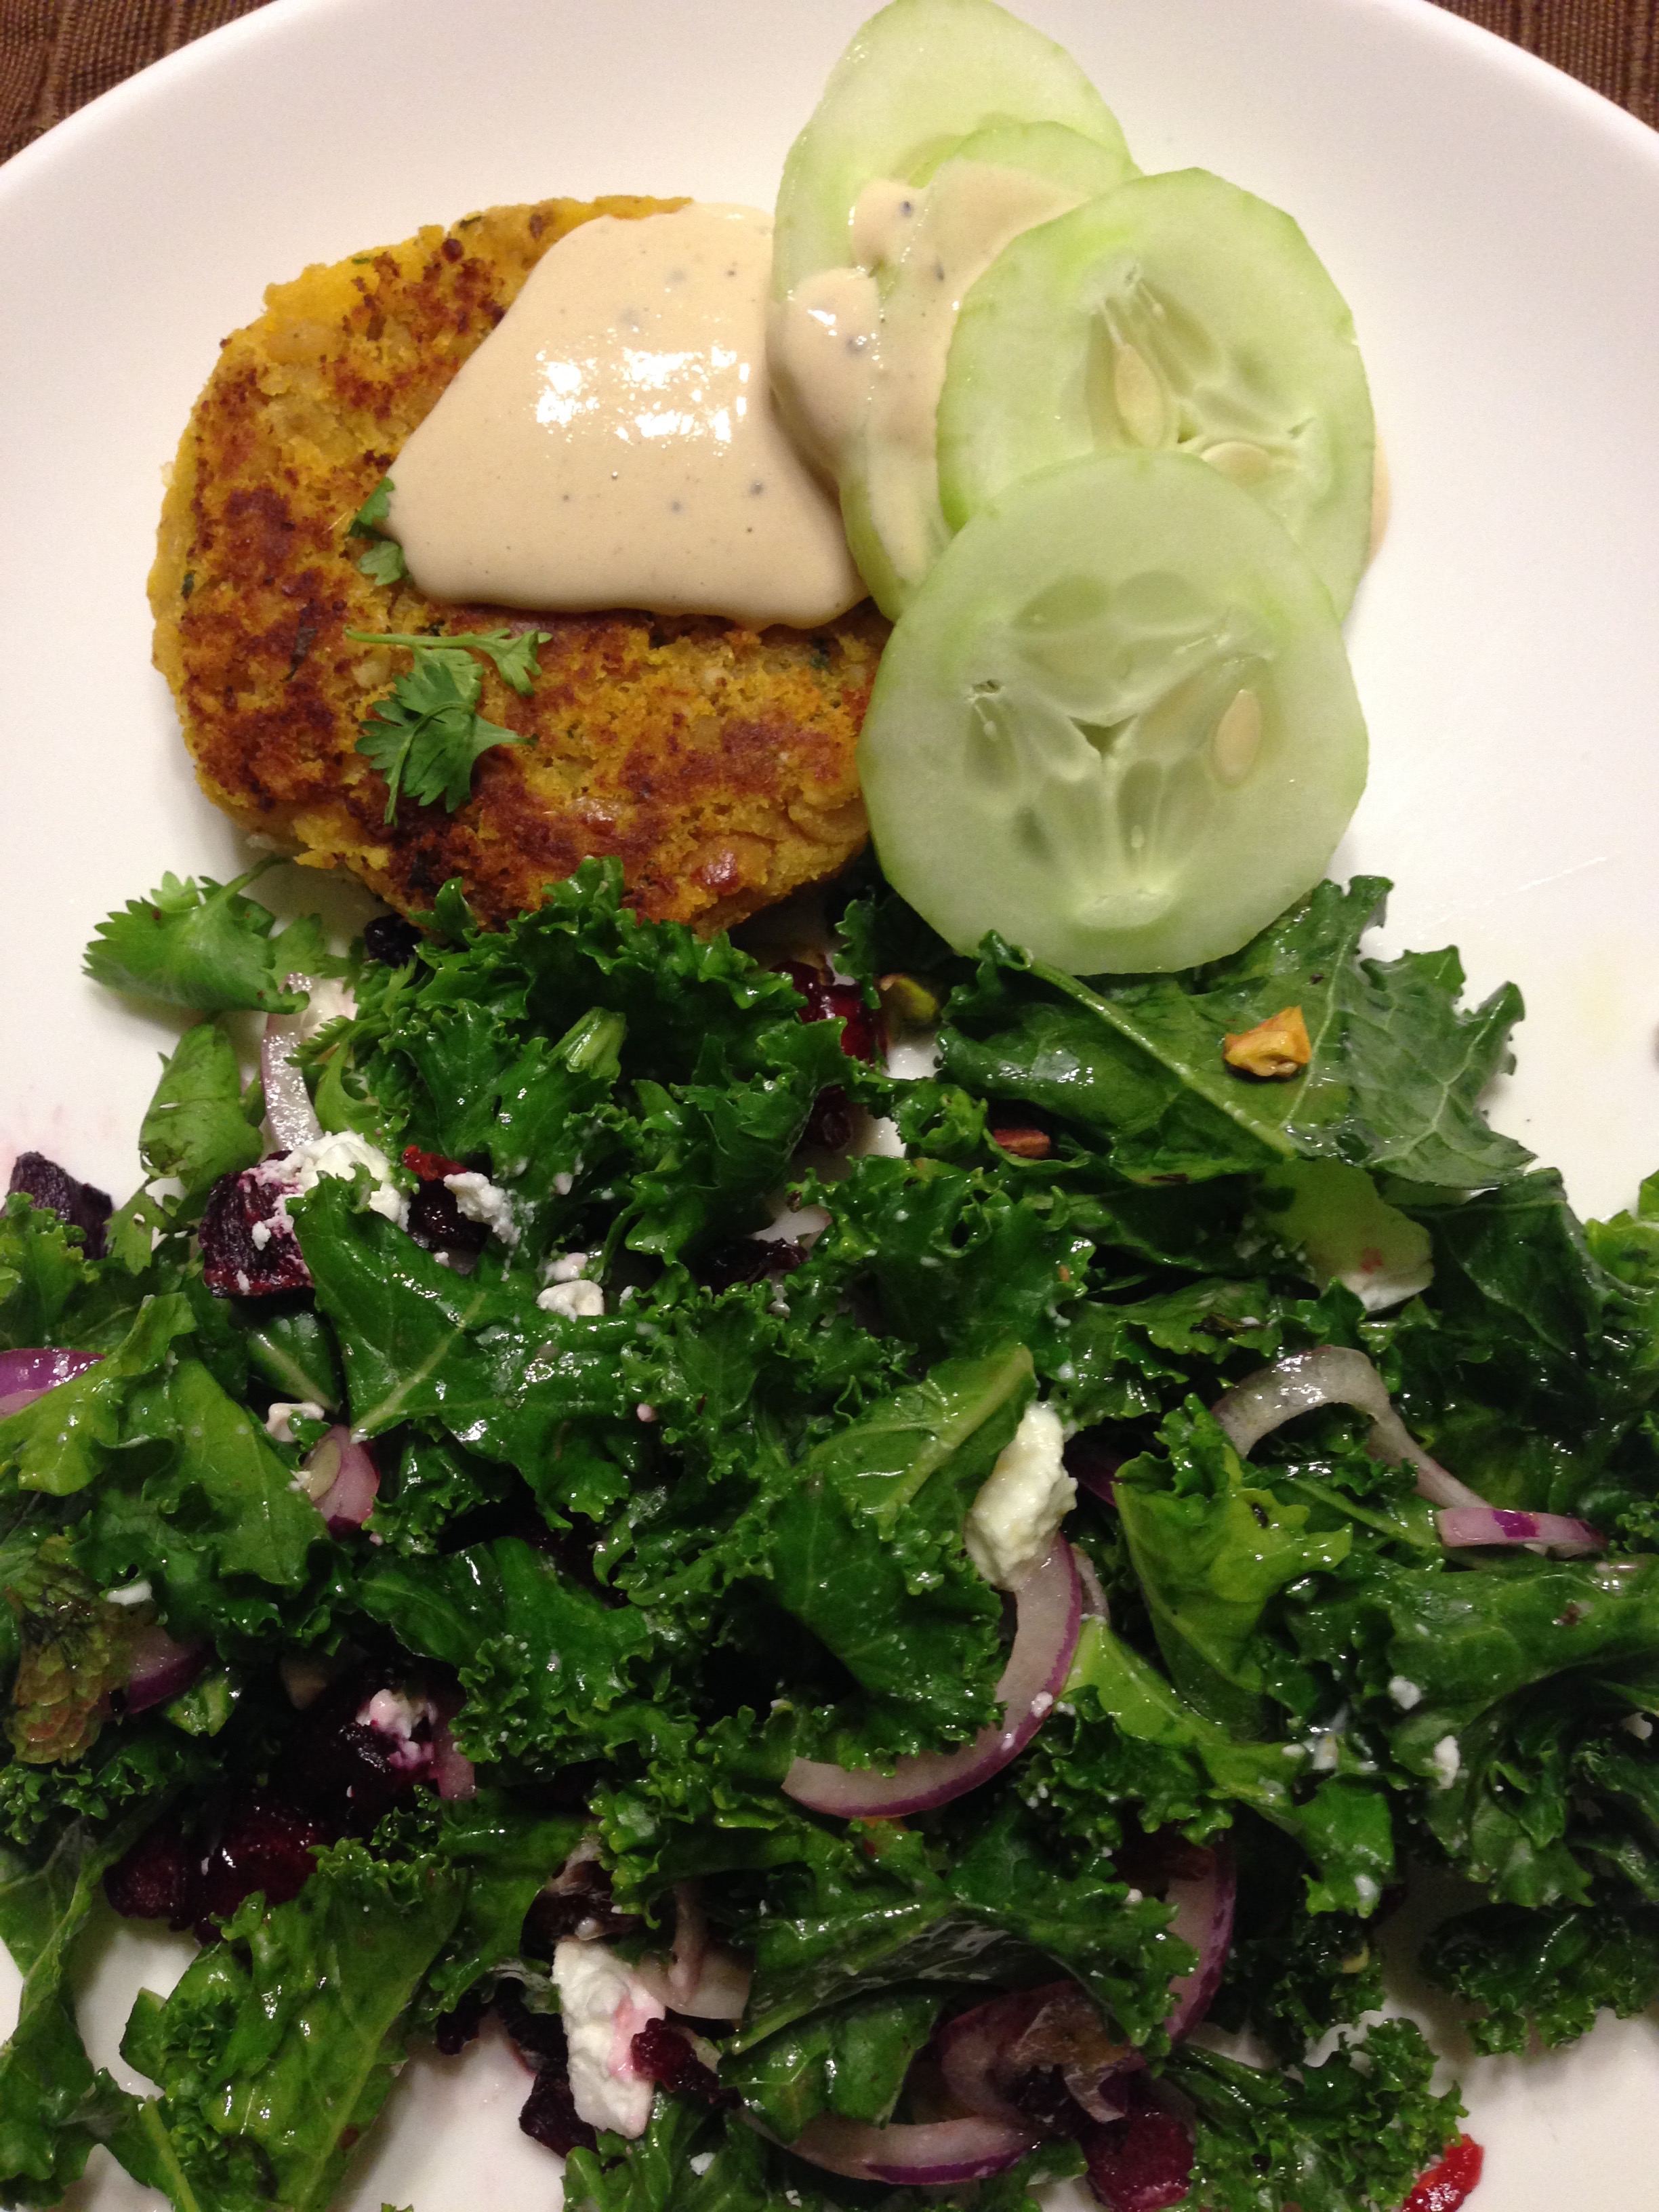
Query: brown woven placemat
[55, 55]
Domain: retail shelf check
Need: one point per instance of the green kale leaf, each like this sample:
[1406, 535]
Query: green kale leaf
[1351, 2136]
[1394, 1083]
[275, 2050]
[53, 2105]
[1546, 1973]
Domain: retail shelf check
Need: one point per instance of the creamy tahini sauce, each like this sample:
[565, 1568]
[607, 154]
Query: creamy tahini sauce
[861, 351]
[614, 443]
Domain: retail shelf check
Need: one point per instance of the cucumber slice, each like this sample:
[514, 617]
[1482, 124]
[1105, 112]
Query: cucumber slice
[1116, 724]
[1176, 311]
[1085, 166]
[889, 470]
[918, 78]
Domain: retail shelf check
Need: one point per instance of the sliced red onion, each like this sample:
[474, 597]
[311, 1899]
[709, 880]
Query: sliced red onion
[162, 1667]
[289, 1113]
[1332, 1375]
[1047, 1614]
[701, 1980]
[1093, 1597]
[690, 1943]
[1052, 2025]
[452, 1770]
[341, 1480]
[26, 1375]
[1204, 1918]
[932, 2154]
[1497, 1524]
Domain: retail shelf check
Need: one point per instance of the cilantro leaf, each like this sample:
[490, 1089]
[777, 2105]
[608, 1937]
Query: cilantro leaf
[513, 652]
[425, 739]
[384, 561]
[204, 945]
[199, 1125]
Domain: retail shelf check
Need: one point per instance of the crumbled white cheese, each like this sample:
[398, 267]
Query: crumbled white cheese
[391, 1713]
[576, 1301]
[341, 1153]
[1638, 1725]
[260, 1233]
[279, 1421]
[564, 1267]
[562, 1183]
[1446, 1759]
[131, 1593]
[700, 2161]
[604, 2005]
[1404, 1694]
[480, 1200]
[1366, 1890]
[1017, 1515]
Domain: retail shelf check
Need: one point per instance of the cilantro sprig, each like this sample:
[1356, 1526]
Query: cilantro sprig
[384, 561]
[203, 945]
[426, 738]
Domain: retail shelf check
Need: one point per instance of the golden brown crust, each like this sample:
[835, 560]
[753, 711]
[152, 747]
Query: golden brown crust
[716, 764]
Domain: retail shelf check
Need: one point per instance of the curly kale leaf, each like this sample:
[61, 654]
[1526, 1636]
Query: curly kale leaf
[1351, 2136]
[1343, 1821]
[866, 1547]
[51, 1294]
[851, 2060]
[1394, 1083]
[1546, 1973]
[275, 2050]
[204, 945]
[53, 2105]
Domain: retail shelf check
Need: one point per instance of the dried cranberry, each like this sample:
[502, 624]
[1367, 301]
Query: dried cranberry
[337, 1767]
[391, 941]
[663, 2056]
[538, 2035]
[829, 1124]
[431, 1167]
[827, 1000]
[1142, 2163]
[550, 2117]
[1445, 2185]
[263, 1844]
[1041, 2094]
[76, 1204]
[236, 1262]
[158, 1879]
[579, 1903]
[437, 1225]
[453, 2030]
[749, 1259]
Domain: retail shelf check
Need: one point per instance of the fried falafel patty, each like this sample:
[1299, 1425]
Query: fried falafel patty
[714, 762]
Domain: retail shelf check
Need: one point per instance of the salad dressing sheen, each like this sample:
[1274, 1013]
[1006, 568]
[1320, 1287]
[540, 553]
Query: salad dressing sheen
[614, 442]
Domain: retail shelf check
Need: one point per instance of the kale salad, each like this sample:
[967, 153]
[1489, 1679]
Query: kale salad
[466, 1552]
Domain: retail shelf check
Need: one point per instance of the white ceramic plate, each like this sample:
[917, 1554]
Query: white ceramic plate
[1496, 228]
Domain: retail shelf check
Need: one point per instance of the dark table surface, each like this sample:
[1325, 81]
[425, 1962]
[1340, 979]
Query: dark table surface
[55, 55]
